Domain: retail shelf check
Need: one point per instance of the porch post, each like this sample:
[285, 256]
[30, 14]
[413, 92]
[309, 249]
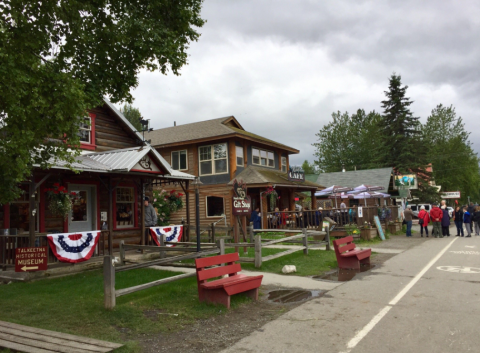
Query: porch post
[142, 235]
[187, 201]
[110, 216]
[32, 211]
[313, 200]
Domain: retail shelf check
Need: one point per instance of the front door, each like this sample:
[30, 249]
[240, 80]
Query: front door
[82, 217]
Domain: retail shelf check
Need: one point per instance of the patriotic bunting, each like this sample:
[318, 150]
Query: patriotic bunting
[172, 233]
[74, 247]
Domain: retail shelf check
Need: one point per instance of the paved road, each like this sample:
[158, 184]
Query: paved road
[426, 299]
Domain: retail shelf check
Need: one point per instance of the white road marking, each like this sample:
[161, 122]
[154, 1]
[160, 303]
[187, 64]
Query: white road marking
[465, 252]
[459, 269]
[470, 246]
[376, 319]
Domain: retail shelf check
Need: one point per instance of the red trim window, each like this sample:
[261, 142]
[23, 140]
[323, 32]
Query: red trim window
[125, 207]
[86, 131]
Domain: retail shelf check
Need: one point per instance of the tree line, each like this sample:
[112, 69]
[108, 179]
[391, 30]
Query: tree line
[396, 138]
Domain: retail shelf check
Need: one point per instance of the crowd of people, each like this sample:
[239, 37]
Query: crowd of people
[466, 219]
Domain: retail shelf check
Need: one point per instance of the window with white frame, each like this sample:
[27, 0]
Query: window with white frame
[213, 159]
[85, 130]
[239, 152]
[284, 164]
[263, 157]
[125, 205]
[179, 160]
[215, 206]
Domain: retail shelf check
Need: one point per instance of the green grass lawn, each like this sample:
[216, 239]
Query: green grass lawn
[74, 304]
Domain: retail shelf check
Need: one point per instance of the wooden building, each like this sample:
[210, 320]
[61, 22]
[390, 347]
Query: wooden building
[116, 168]
[219, 151]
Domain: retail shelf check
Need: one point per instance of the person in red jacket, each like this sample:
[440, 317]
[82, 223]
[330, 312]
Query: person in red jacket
[436, 216]
[423, 219]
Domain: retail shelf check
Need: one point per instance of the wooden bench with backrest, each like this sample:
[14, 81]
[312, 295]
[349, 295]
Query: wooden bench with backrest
[348, 256]
[219, 290]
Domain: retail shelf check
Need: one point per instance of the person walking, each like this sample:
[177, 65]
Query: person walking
[445, 222]
[423, 220]
[476, 220]
[256, 219]
[436, 216]
[458, 219]
[467, 219]
[408, 217]
[471, 210]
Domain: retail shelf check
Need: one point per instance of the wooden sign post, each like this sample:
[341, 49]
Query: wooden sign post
[242, 208]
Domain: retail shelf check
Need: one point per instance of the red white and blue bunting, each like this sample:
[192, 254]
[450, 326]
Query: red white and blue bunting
[171, 233]
[74, 247]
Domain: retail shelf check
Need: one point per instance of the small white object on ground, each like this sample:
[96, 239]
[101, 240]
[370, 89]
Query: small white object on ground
[289, 269]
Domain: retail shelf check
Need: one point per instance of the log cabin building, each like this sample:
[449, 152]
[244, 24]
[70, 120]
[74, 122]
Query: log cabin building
[116, 167]
[218, 151]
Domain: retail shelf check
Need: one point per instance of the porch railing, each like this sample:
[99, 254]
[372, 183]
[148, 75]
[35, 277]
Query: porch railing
[312, 219]
[9, 243]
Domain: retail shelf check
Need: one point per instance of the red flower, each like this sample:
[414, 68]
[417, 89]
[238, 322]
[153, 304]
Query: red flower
[180, 194]
[55, 191]
[56, 184]
[171, 192]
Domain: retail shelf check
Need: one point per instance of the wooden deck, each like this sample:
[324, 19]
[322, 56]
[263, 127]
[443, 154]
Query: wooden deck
[30, 339]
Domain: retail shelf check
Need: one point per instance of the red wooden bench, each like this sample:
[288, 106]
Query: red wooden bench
[220, 290]
[348, 256]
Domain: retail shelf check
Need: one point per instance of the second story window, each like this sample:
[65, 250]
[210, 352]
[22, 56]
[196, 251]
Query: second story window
[213, 159]
[85, 130]
[263, 158]
[179, 160]
[239, 152]
[284, 164]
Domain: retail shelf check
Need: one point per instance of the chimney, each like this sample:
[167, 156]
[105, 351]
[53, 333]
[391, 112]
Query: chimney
[174, 123]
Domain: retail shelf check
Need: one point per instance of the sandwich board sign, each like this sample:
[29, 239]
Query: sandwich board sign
[379, 227]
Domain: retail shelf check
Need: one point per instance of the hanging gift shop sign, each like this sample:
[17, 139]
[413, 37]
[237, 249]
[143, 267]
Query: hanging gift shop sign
[242, 205]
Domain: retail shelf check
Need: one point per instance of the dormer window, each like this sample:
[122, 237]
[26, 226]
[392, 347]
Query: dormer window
[86, 132]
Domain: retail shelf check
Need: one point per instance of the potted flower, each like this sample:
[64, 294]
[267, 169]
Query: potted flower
[166, 203]
[272, 197]
[368, 232]
[60, 200]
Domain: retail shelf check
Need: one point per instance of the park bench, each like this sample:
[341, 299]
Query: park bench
[348, 256]
[220, 290]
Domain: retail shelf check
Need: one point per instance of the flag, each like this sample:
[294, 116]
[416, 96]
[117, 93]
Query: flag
[171, 233]
[74, 247]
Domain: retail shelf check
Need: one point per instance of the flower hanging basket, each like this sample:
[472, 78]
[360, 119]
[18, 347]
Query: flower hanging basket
[60, 200]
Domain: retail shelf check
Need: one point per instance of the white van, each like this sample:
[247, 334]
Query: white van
[416, 208]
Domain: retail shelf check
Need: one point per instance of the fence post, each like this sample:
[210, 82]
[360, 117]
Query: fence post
[305, 241]
[250, 232]
[327, 237]
[258, 251]
[122, 253]
[108, 282]
[213, 232]
[221, 246]
[162, 243]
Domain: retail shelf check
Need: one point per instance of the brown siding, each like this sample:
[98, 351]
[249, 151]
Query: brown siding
[109, 132]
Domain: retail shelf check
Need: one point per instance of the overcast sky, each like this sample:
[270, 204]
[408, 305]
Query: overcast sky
[282, 67]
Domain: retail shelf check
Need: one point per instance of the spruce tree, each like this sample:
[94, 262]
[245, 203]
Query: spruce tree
[403, 147]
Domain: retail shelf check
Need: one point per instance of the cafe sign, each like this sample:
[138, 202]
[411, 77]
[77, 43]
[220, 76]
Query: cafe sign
[296, 174]
[242, 205]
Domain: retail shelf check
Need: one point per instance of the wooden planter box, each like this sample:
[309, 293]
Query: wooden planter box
[393, 228]
[368, 234]
[338, 234]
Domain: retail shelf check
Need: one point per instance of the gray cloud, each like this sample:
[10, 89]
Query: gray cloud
[282, 67]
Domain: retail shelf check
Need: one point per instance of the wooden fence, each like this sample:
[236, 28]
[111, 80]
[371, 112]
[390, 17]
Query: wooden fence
[109, 267]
